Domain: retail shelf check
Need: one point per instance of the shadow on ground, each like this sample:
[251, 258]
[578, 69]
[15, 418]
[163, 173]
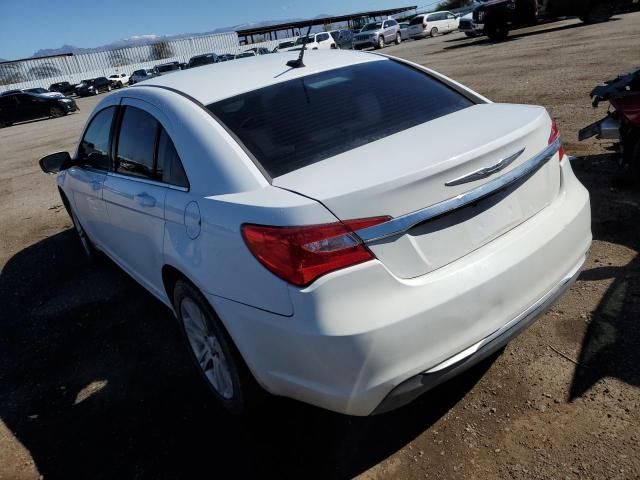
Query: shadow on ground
[611, 345]
[95, 383]
[513, 36]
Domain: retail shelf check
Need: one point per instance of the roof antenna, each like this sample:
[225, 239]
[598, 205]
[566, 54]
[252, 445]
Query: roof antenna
[297, 63]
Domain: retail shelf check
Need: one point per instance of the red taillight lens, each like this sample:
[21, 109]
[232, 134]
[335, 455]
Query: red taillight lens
[300, 255]
[555, 134]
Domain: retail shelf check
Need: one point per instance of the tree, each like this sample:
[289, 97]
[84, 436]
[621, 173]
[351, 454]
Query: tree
[45, 70]
[10, 73]
[453, 4]
[119, 58]
[328, 27]
[160, 50]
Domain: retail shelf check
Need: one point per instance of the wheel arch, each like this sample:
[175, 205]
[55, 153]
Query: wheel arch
[65, 200]
[170, 276]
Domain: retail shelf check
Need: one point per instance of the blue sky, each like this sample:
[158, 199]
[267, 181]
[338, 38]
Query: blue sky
[28, 25]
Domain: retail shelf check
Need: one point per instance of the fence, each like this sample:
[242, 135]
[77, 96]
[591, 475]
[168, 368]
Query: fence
[42, 72]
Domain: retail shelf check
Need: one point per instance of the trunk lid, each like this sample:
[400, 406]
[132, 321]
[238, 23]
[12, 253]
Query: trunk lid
[407, 171]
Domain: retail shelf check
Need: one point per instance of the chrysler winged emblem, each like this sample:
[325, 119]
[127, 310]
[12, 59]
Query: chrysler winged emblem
[486, 171]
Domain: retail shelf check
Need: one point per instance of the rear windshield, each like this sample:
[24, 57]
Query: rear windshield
[299, 122]
[416, 21]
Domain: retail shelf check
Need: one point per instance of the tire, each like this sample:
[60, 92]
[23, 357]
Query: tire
[85, 242]
[214, 355]
[108, 88]
[398, 38]
[380, 43]
[598, 12]
[56, 112]
[95, 91]
[433, 32]
[497, 31]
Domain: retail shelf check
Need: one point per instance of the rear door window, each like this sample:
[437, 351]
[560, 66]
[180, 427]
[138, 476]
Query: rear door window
[137, 143]
[299, 122]
[416, 21]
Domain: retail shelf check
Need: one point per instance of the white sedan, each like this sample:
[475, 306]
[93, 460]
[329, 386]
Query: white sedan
[119, 80]
[324, 233]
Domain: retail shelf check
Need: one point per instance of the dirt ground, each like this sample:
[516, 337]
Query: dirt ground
[94, 382]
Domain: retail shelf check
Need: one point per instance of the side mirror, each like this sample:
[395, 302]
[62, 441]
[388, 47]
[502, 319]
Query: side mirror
[56, 162]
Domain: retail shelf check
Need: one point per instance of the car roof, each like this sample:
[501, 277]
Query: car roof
[218, 81]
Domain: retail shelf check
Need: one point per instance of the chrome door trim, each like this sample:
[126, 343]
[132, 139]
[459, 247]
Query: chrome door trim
[147, 181]
[401, 224]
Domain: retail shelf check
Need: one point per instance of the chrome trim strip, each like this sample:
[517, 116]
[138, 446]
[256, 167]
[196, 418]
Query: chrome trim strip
[484, 172]
[147, 181]
[401, 224]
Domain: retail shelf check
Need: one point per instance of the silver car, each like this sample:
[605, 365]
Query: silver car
[378, 34]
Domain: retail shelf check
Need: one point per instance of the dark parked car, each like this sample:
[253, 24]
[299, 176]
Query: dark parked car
[343, 38]
[140, 75]
[497, 17]
[285, 44]
[200, 60]
[225, 57]
[165, 68]
[20, 107]
[93, 86]
[64, 88]
[259, 50]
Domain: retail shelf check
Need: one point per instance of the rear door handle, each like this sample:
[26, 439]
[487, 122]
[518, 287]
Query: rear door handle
[145, 200]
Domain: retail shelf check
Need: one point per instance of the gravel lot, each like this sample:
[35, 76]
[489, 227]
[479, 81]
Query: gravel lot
[94, 381]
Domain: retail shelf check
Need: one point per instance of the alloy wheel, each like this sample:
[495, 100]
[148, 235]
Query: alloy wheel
[206, 348]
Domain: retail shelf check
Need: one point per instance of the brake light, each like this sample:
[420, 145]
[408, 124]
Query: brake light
[555, 134]
[300, 255]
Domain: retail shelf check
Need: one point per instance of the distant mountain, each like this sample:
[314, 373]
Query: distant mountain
[137, 40]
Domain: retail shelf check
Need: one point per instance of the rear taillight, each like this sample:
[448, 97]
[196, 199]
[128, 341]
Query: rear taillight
[555, 134]
[299, 255]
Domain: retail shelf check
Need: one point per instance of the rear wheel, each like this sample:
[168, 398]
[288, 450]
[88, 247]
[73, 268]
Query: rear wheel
[497, 31]
[433, 32]
[398, 38]
[56, 112]
[598, 12]
[213, 351]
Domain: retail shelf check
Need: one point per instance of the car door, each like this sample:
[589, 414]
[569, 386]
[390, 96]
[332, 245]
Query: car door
[29, 107]
[451, 22]
[394, 29]
[84, 181]
[8, 109]
[134, 194]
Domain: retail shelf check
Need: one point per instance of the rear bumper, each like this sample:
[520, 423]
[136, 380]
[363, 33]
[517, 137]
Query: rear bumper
[412, 388]
[361, 336]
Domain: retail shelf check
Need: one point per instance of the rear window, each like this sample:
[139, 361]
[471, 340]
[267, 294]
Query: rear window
[299, 122]
[416, 21]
